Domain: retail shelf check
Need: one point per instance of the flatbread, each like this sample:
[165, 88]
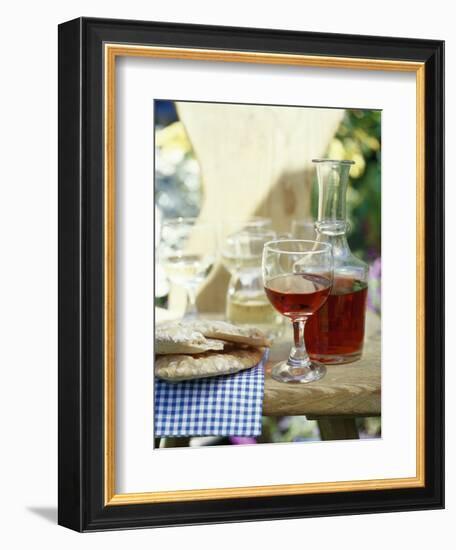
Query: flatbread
[175, 368]
[179, 338]
[221, 330]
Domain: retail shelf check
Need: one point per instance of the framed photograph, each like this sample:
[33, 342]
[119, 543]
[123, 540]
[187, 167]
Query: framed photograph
[250, 274]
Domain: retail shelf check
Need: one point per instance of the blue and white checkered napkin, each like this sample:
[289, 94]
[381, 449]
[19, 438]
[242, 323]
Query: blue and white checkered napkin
[222, 405]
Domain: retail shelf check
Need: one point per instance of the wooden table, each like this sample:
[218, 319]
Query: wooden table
[347, 391]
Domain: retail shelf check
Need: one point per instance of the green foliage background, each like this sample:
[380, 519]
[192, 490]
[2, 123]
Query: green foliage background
[359, 138]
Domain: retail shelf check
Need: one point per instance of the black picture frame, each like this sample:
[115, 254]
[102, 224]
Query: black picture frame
[81, 399]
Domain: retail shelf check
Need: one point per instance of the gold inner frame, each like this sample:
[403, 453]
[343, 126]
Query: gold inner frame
[111, 52]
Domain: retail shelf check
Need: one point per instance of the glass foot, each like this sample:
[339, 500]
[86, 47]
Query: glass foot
[283, 372]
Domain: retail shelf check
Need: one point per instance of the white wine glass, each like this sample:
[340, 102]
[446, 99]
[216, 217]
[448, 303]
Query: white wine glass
[187, 253]
[246, 302]
[242, 250]
[303, 229]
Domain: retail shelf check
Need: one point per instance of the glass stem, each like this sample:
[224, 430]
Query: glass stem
[298, 356]
[191, 312]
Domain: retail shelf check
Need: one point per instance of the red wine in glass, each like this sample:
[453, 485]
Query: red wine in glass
[298, 295]
[297, 275]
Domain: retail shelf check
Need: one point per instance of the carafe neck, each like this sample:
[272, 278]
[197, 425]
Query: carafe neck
[332, 176]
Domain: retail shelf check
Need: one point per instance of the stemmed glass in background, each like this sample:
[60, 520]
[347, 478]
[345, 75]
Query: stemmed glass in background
[303, 229]
[298, 276]
[187, 252]
[242, 252]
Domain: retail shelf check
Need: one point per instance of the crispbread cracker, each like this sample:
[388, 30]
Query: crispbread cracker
[179, 338]
[175, 368]
[221, 330]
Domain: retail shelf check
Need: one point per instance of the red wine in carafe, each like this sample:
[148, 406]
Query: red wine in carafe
[335, 334]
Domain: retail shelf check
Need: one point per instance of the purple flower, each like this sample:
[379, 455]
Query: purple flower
[239, 440]
[375, 285]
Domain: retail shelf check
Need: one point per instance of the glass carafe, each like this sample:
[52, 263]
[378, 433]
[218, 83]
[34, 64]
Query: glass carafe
[335, 334]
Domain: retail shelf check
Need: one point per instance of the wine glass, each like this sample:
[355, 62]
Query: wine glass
[246, 301]
[303, 229]
[187, 252]
[242, 250]
[297, 277]
[233, 226]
